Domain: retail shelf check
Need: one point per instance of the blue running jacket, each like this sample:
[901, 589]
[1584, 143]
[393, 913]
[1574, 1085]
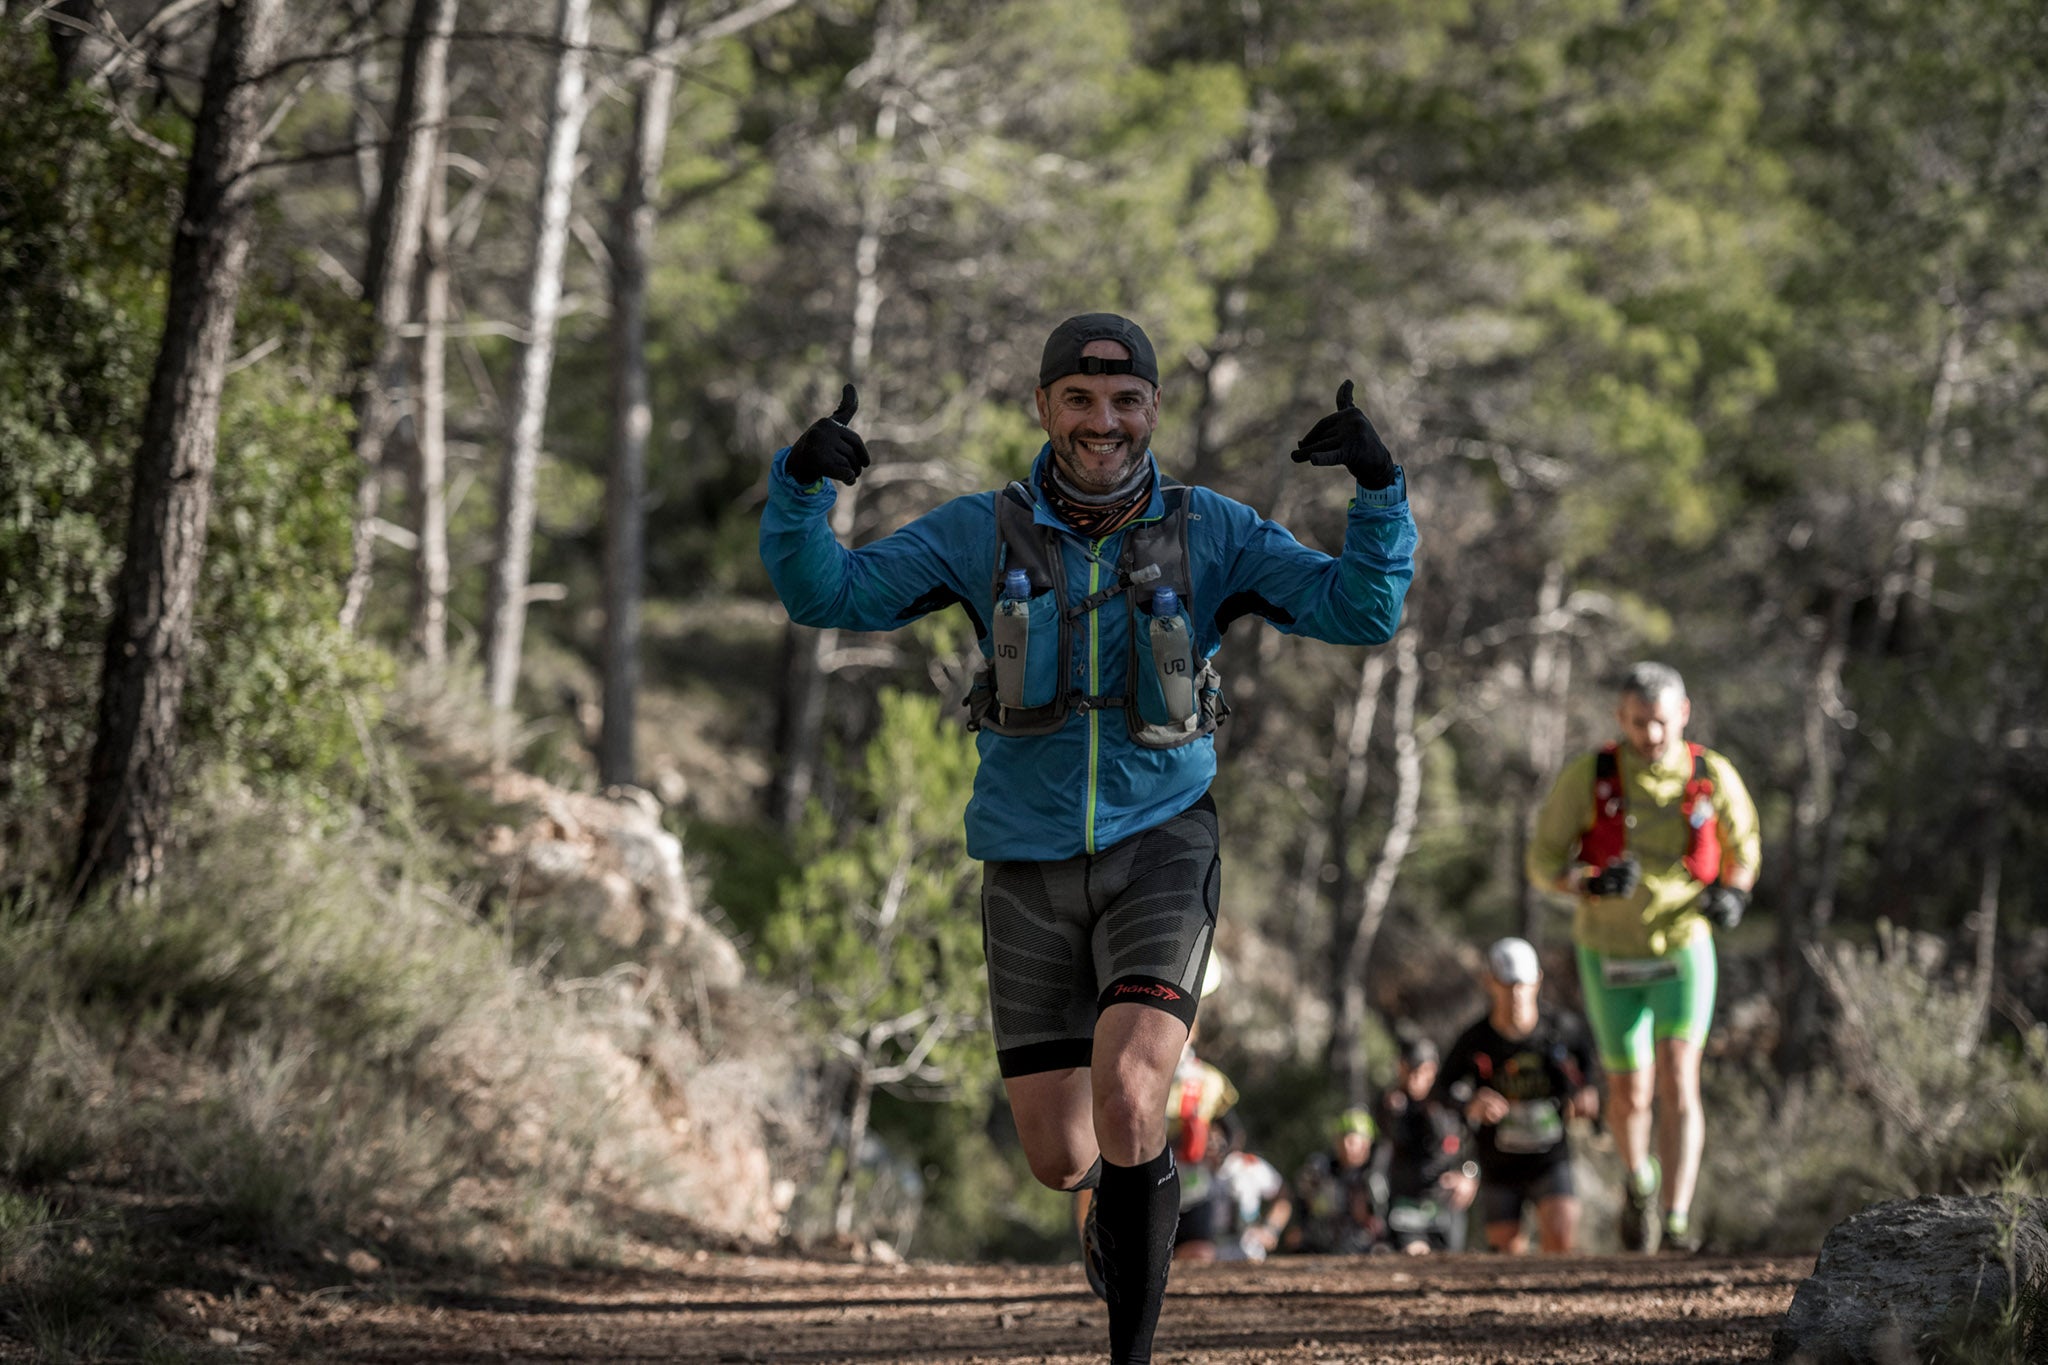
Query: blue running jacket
[1088, 785]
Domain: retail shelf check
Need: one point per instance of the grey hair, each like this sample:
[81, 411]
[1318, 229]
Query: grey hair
[1652, 680]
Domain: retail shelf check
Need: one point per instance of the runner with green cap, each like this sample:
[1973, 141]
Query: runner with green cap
[1340, 1199]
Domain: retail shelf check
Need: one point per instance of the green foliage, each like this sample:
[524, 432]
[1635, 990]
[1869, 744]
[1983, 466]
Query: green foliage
[84, 241]
[279, 690]
[879, 920]
[85, 220]
[878, 938]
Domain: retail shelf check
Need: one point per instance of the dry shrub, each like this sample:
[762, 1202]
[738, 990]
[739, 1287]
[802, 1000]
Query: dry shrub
[1913, 1099]
[307, 1033]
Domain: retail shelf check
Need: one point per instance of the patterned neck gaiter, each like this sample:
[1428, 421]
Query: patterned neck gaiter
[1097, 515]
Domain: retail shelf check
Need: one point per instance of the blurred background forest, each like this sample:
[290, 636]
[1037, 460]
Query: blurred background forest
[1714, 332]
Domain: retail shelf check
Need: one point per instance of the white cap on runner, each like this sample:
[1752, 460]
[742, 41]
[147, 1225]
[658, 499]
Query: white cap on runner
[1513, 962]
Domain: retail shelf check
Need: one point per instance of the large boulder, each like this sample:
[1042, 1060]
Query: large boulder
[606, 862]
[1902, 1276]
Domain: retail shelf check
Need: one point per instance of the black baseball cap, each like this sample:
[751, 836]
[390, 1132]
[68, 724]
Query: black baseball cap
[1063, 349]
[1417, 1050]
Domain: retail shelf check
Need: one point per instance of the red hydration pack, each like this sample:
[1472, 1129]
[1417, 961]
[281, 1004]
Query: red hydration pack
[1193, 1143]
[1608, 837]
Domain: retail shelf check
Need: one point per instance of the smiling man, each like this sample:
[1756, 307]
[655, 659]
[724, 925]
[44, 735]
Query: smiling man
[1657, 839]
[1099, 590]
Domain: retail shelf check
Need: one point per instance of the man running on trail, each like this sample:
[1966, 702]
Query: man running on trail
[1519, 1075]
[1340, 1198]
[1421, 1155]
[1099, 590]
[1657, 839]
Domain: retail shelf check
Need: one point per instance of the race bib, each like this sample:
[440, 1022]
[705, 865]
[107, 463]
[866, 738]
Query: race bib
[1530, 1126]
[1413, 1215]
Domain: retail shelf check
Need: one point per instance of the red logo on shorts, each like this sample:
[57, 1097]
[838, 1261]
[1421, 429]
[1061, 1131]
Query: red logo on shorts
[1157, 992]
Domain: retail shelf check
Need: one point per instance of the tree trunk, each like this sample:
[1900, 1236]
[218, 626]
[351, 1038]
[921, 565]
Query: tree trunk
[505, 617]
[66, 28]
[633, 219]
[365, 15]
[1346, 802]
[1306, 941]
[1984, 923]
[395, 233]
[1908, 570]
[1818, 815]
[1550, 675]
[857, 1108]
[128, 794]
[1379, 890]
[430, 432]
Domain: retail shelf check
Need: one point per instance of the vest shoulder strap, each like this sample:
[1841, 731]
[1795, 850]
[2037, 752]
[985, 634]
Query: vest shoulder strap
[1701, 773]
[1023, 547]
[1607, 763]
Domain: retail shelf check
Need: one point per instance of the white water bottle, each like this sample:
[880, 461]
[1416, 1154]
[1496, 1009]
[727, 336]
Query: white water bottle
[1173, 660]
[1012, 637]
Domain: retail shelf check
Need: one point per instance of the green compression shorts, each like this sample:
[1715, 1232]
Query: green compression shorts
[1634, 1003]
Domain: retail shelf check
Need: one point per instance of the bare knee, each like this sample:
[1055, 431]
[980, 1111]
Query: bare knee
[1053, 1123]
[1629, 1092]
[1135, 1052]
[1129, 1130]
[1677, 1099]
[1060, 1170]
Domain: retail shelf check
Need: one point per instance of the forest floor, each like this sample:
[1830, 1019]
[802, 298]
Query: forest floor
[1288, 1311]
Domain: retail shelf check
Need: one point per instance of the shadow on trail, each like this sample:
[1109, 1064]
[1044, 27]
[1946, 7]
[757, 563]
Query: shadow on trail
[544, 1307]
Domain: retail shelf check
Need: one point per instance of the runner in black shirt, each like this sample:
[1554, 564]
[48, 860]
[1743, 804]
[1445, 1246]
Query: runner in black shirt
[1518, 1075]
[1422, 1154]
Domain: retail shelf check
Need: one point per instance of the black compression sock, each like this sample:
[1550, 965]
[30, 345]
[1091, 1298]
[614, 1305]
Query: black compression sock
[1088, 1181]
[1135, 1212]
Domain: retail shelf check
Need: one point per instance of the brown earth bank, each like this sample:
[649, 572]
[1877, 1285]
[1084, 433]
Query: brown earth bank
[1290, 1311]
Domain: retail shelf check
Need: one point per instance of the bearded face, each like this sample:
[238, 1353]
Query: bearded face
[1100, 425]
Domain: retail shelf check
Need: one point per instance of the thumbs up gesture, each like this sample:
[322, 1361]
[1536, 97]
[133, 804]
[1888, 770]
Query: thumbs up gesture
[829, 448]
[1345, 437]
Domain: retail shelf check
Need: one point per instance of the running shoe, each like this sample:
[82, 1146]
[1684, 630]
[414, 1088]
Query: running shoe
[1091, 1255]
[1680, 1237]
[1639, 1210]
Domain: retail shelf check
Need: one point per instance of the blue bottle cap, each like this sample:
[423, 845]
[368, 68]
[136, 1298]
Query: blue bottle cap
[1016, 585]
[1165, 602]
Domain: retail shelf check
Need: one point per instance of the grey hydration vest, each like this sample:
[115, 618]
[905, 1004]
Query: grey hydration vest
[1171, 697]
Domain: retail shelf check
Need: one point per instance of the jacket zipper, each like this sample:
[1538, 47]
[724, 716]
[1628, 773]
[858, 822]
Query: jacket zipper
[1094, 689]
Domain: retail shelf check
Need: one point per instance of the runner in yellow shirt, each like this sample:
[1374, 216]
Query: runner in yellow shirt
[1657, 840]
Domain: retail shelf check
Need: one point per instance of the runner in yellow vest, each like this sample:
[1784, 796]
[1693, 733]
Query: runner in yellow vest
[1657, 840]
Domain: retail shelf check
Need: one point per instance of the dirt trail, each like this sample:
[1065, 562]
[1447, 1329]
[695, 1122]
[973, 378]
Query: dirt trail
[1295, 1311]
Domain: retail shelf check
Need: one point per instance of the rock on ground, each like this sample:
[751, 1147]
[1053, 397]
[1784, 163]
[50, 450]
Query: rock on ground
[1903, 1274]
[606, 861]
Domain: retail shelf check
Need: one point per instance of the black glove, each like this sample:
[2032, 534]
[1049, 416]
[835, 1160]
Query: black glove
[829, 448]
[1723, 904]
[1619, 878]
[1346, 438]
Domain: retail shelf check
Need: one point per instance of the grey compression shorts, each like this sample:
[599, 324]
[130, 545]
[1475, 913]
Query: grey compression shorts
[1066, 940]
